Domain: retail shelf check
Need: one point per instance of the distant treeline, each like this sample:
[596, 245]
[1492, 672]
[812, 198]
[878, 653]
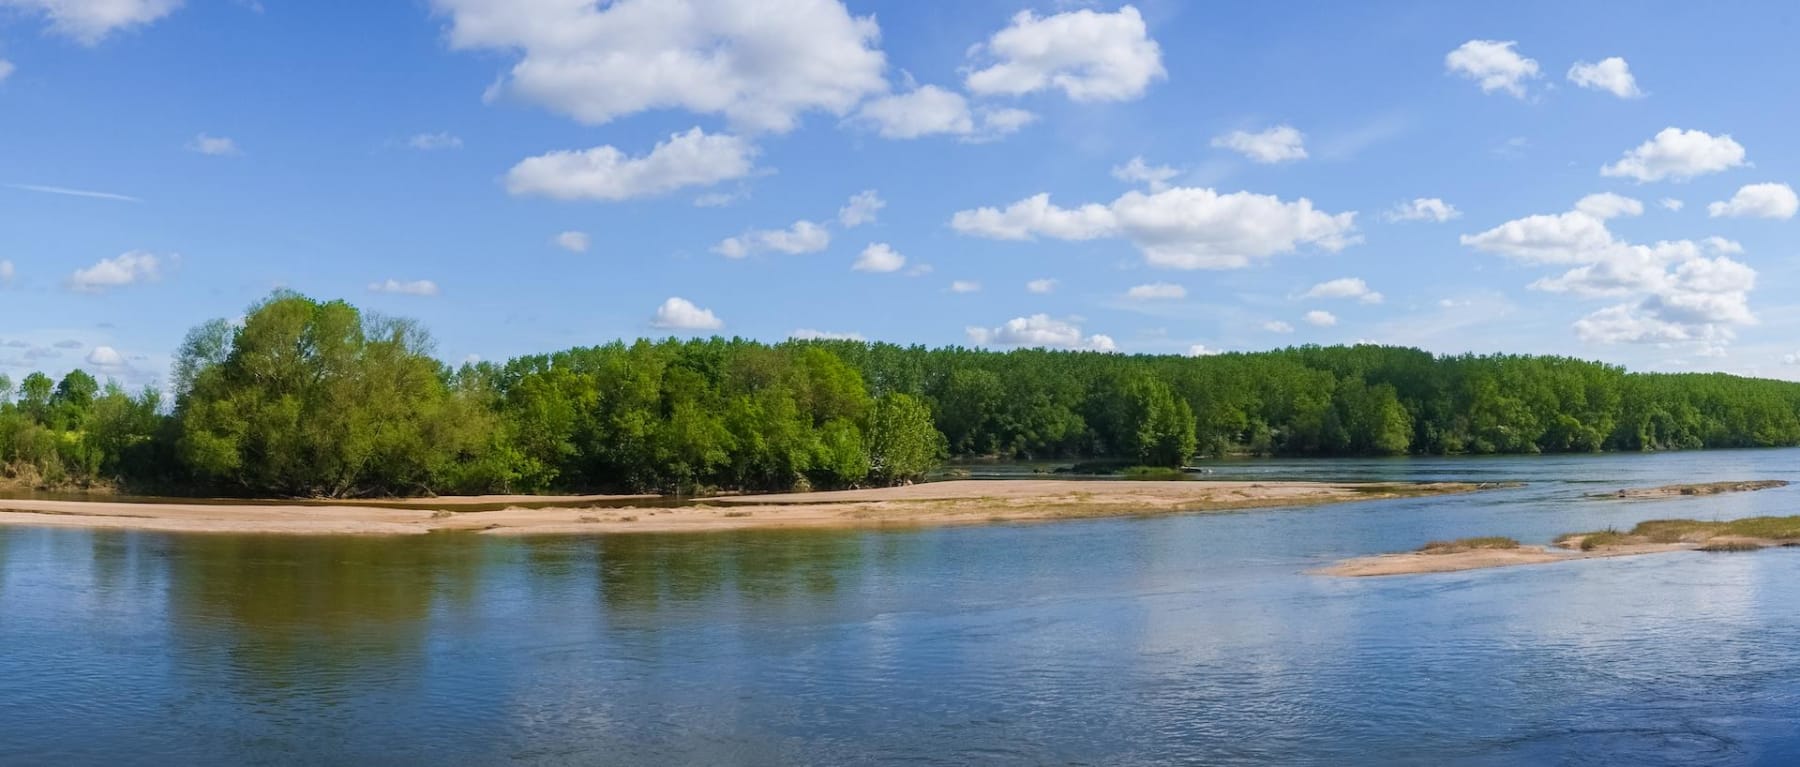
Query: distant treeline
[308, 398]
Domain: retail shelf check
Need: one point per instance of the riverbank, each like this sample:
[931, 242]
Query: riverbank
[937, 503]
[1655, 536]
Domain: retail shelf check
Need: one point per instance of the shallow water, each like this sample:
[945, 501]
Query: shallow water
[1195, 639]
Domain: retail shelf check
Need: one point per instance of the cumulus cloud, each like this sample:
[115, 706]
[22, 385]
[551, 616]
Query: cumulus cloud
[1156, 291]
[1201, 350]
[1611, 74]
[1423, 209]
[932, 111]
[1177, 228]
[1154, 177]
[1672, 291]
[1040, 330]
[126, 269]
[90, 21]
[1493, 64]
[607, 174]
[1677, 155]
[1607, 205]
[1671, 204]
[1320, 318]
[105, 357]
[965, 286]
[574, 242]
[214, 146]
[760, 65]
[430, 142]
[1758, 201]
[1281, 143]
[1086, 54]
[1345, 287]
[1041, 286]
[681, 314]
[1277, 326]
[405, 287]
[861, 209]
[879, 257]
[802, 237]
[808, 334]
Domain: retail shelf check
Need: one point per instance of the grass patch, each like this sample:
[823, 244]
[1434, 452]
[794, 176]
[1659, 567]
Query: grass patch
[1468, 544]
[1607, 537]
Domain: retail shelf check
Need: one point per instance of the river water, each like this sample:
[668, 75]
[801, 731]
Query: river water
[1175, 639]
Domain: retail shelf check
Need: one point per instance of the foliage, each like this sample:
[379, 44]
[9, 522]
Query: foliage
[310, 398]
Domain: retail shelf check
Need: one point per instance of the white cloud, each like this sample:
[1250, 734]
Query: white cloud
[1493, 64]
[1675, 291]
[1320, 318]
[126, 269]
[427, 142]
[965, 286]
[1177, 228]
[1678, 155]
[1201, 350]
[1671, 204]
[106, 357]
[681, 314]
[932, 111]
[215, 146]
[1277, 326]
[759, 64]
[1040, 330]
[1088, 55]
[90, 21]
[604, 173]
[719, 199]
[861, 209]
[7, 272]
[1423, 209]
[879, 257]
[405, 287]
[63, 190]
[1607, 205]
[1280, 143]
[1758, 201]
[1156, 291]
[6, 70]
[1041, 286]
[1344, 287]
[802, 237]
[1154, 177]
[1611, 74]
[808, 334]
[574, 242]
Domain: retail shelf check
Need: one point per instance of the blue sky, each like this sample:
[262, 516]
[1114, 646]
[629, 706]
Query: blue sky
[529, 175]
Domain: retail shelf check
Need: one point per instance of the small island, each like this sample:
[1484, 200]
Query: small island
[1692, 490]
[1649, 537]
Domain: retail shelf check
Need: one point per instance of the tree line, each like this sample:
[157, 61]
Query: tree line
[318, 399]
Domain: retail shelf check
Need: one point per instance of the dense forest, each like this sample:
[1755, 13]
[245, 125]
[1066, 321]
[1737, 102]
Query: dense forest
[310, 398]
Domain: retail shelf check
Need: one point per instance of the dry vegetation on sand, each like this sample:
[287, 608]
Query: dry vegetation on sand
[1704, 488]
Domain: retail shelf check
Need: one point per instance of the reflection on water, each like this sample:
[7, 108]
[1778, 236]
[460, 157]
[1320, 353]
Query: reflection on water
[1173, 639]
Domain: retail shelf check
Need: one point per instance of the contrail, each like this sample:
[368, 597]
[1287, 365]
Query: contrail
[74, 192]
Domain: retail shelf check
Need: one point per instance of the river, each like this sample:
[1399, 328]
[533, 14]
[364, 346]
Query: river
[1173, 639]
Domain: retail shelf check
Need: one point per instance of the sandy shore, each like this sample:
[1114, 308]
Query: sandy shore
[1690, 490]
[1415, 563]
[938, 503]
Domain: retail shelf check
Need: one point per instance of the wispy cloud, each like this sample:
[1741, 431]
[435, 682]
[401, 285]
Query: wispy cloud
[73, 192]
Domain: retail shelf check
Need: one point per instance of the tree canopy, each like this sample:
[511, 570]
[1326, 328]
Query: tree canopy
[310, 398]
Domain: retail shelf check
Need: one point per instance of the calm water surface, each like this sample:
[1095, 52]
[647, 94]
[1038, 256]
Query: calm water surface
[1181, 639]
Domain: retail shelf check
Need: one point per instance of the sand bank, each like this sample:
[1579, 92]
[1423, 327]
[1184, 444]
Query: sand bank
[1706, 488]
[1650, 537]
[938, 503]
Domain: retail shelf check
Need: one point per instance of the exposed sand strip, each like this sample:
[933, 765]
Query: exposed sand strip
[940, 503]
